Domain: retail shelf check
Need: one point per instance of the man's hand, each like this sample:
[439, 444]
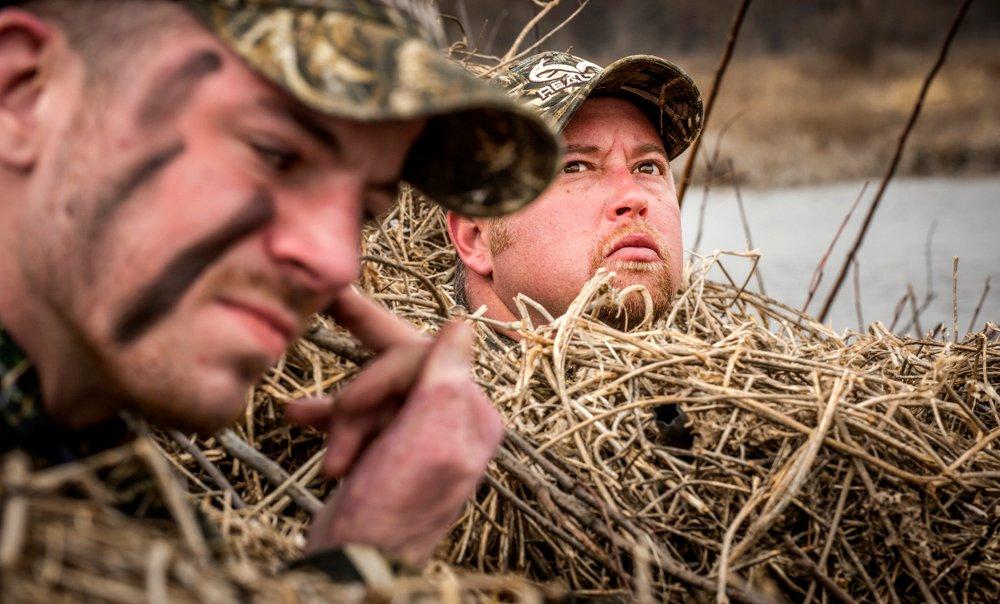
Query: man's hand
[411, 434]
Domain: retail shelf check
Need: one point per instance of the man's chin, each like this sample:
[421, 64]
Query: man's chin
[204, 402]
[202, 417]
[638, 307]
[631, 313]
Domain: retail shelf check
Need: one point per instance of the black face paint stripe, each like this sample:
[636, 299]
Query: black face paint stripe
[135, 178]
[167, 99]
[159, 298]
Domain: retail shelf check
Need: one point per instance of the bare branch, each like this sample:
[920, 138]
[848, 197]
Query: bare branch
[917, 107]
[720, 72]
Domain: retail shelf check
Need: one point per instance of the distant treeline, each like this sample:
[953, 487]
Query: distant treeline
[851, 30]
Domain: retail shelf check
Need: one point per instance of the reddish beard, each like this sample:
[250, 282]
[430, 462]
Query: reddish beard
[655, 276]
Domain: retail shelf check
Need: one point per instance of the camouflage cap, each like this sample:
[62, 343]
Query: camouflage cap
[480, 154]
[557, 83]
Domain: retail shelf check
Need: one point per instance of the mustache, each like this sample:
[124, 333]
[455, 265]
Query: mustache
[257, 284]
[632, 228]
[158, 299]
[606, 244]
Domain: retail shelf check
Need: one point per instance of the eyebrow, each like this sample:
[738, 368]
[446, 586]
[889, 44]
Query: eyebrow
[321, 134]
[582, 149]
[650, 148]
[309, 124]
[640, 150]
[168, 97]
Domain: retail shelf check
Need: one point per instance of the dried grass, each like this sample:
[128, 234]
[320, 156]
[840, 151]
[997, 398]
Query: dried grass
[855, 467]
[858, 467]
[876, 455]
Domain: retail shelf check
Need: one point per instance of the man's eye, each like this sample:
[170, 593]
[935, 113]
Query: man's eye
[649, 167]
[379, 201]
[573, 167]
[281, 160]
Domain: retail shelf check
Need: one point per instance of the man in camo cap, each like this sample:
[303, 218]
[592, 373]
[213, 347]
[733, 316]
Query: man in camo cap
[613, 205]
[182, 184]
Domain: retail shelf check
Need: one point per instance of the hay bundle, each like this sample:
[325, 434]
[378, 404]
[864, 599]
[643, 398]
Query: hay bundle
[64, 538]
[865, 467]
[858, 468]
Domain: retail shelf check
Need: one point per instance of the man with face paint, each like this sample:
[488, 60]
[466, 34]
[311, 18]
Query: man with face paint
[613, 205]
[182, 184]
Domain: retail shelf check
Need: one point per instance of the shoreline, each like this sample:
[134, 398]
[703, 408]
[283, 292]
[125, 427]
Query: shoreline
[806, 119]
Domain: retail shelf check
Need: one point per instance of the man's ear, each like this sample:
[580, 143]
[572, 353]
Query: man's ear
[469, 239]
[24, 39]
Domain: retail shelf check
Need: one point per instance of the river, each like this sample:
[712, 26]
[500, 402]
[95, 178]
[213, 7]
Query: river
[792, 228]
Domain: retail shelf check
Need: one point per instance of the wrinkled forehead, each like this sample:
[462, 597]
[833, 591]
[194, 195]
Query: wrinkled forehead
[610, 116]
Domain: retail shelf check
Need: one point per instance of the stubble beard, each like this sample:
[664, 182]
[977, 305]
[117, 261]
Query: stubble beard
[655, 276]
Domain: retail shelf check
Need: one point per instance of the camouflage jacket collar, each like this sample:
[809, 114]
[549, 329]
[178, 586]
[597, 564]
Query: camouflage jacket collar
[19, 393]
[24, 423]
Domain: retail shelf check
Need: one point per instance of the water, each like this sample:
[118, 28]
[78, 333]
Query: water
[793, 227]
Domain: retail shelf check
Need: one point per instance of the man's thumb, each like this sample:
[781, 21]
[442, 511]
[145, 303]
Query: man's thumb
[452, 350]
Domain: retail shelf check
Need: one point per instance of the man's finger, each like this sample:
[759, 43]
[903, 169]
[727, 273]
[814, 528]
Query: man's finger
[348, 438]
[373, 325]
[446, 392]
[347, 433]
[416, 475]
[389, 376]
[311, 412]
[368, 402]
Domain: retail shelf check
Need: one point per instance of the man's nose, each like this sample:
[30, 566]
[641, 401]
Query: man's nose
[316, 240]
[628, 200]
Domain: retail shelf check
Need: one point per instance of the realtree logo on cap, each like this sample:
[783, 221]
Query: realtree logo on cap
[560, 76]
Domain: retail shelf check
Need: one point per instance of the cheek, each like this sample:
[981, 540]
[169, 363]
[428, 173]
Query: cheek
[188, 204]
[191, 200]
[671, 230]
[669, 226]
[560, 234]
[565, 218]
[550, 251]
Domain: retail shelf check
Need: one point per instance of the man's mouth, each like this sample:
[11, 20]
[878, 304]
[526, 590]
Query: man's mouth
[637, 247]
[273, 327]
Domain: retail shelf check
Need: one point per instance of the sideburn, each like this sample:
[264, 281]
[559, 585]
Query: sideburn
[158, 299]
[500, 238]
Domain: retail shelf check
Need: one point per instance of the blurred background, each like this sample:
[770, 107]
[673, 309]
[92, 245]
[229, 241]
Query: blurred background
[811, 107]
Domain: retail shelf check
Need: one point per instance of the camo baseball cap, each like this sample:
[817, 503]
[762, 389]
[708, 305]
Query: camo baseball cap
[557, 83]
[480, 154]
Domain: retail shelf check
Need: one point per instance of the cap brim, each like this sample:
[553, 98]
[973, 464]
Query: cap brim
[661, 89]
[480, 154]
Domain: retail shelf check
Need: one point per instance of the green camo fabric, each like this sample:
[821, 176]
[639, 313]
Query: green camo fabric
[555, 84]
[25, 425]
[19, 394]
[480, 154]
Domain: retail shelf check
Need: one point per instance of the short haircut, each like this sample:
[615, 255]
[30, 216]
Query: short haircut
[111, 35]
